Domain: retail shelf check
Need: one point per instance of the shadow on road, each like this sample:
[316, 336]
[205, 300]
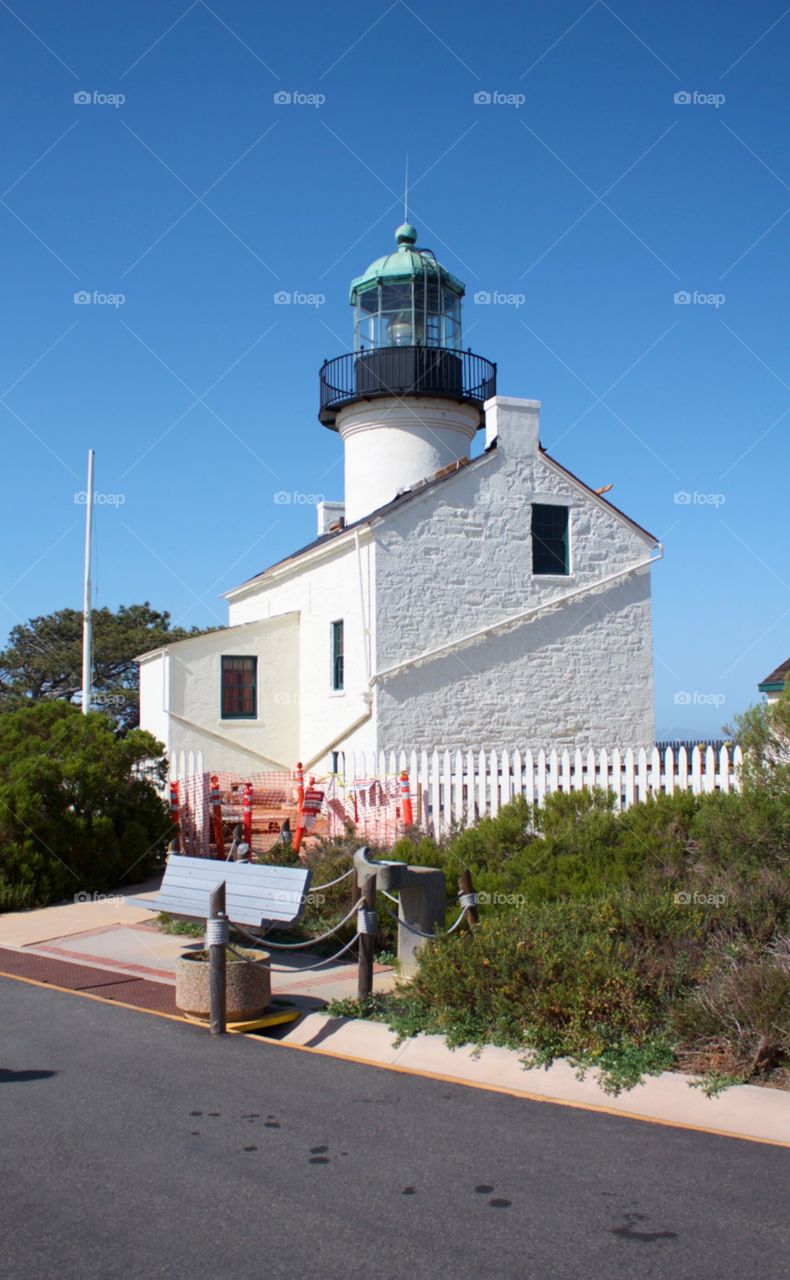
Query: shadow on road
[16, 1077]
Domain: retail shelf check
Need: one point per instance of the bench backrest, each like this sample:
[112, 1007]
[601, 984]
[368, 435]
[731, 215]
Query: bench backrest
[254, 894]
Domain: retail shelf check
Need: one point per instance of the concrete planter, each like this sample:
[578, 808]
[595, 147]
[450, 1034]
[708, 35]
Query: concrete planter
[249, 986]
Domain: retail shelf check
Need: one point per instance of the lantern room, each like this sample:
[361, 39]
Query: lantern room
[406, 299]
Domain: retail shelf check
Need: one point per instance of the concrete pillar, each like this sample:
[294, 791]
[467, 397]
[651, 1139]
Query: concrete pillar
[423, 902]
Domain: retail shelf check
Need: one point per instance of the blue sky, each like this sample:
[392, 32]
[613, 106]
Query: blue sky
[585, 208]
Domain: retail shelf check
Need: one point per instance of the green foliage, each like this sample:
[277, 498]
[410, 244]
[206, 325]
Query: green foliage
[73, 817]
[764, 734]
[622, 940]
[43, 660]
[185, 928]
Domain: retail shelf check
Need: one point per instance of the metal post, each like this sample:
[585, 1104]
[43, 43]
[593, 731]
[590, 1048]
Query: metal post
[367, 942]
[87, 619]
[217, 964]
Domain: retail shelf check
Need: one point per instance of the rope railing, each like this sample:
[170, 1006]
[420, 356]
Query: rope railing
[218, 942]
[299, 946]
[364, 907]
[419, 932]
[305, 968]
[316, 888]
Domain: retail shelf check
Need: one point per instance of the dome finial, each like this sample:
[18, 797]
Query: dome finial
[406, 236]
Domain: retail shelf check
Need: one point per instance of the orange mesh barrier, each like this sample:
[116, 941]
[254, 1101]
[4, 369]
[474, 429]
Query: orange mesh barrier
[371, 805]
[261, 803]
[260, 808]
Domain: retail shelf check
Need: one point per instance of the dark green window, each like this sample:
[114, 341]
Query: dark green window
[549, 539]
[239, 688]
[337, 655]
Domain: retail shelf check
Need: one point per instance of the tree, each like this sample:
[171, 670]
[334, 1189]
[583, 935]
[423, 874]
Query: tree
[75, 816]
[43, 661]
[764, 734]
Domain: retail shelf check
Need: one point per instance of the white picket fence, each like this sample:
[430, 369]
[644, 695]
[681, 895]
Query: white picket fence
[456, 788]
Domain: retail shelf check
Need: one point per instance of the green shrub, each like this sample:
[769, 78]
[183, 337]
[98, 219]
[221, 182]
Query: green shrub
[639, 933]
[73, 817]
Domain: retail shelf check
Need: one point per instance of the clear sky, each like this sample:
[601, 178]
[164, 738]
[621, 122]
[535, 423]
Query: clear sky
[581, 196]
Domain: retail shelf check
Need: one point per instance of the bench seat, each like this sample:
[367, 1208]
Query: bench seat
[255, 895]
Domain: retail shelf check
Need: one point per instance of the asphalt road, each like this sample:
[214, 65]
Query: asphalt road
[135, 1146]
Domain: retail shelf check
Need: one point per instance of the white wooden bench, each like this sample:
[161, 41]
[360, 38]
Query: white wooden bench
[255, 895]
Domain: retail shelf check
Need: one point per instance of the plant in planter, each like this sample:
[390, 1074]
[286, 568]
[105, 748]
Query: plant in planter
[248, 983]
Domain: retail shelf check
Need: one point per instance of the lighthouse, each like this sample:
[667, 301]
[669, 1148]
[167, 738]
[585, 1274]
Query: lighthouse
[452, 604]
[408, 400]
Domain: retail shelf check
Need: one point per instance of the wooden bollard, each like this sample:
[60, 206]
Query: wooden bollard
[367, 942]
[217, 962]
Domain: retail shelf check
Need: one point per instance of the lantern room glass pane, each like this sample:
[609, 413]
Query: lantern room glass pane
[397, 316]
[366, 327]
[412, 313]
[452, 320]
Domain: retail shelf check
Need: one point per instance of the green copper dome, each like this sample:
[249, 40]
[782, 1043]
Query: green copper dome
[406, 264]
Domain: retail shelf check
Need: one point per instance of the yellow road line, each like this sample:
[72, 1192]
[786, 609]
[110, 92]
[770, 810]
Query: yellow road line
[425, 1075]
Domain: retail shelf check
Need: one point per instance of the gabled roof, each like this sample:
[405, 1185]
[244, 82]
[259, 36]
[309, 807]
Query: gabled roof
[776, 680]
[446, 473]
[203, 635]
[599, 497]
[440, 477]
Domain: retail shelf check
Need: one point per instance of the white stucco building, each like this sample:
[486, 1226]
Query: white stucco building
[445, 602]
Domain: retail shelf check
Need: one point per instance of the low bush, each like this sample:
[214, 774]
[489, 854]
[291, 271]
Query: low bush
[624, 940]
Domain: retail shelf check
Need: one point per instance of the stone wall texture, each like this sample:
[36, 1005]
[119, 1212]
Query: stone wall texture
[458, 559]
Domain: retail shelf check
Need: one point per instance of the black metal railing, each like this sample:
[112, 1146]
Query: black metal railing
[404, 371]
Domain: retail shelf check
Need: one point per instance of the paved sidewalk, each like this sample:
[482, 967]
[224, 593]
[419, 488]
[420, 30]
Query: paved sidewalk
[109, 935]
[27, 928]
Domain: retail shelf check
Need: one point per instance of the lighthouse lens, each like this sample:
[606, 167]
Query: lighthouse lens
[400, 332]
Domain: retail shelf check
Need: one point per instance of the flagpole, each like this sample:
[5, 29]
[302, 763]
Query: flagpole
[87, 628]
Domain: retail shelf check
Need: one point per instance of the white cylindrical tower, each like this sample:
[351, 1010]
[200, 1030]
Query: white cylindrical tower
[407, 401]
[390, 445]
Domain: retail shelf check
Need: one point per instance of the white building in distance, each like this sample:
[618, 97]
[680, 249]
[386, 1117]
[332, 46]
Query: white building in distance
[492, 603]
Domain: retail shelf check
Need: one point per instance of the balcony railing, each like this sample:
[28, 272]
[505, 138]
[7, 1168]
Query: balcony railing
[404, 371]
